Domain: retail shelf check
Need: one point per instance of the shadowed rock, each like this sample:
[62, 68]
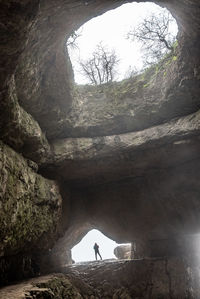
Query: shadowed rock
[123, 252]
[123, 157]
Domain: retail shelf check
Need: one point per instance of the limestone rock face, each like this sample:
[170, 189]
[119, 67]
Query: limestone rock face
[18, 128]
[158, 95]
[30, 205]
[158, 278]
[123, 251]
[44, 75]
[109, 158]
[123, 158]
[44, 79]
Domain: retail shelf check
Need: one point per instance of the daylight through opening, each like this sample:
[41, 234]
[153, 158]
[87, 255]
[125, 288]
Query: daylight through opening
[119, 44]
[84, 250]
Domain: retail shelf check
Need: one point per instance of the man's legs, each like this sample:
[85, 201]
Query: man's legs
[99, 255]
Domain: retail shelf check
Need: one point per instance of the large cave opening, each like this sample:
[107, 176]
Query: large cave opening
[84, 250]
[115, 34]
[124, 159]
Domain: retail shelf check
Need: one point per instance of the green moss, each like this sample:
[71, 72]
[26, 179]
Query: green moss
[25, 222]
[146, 85]
[116, 92]
[168, 62]
[29, 207]
[61, 288]
[175, 45]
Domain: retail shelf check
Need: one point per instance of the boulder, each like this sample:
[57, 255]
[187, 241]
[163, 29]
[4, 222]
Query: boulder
[123, 252]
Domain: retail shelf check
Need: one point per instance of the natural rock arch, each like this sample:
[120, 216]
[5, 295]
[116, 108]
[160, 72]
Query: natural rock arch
[129, 174]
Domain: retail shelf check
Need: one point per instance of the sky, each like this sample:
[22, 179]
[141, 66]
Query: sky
[84, 251]
[111, 28]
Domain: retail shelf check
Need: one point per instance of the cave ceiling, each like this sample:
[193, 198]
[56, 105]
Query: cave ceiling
[139, 137]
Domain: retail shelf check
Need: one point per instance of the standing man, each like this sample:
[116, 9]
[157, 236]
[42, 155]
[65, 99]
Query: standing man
[96, 250]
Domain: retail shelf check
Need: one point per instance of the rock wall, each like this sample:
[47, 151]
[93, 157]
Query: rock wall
[158, 95]
[19, 129]
[123, 157]
[31, 210]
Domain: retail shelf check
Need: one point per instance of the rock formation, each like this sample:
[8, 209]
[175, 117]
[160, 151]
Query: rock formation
[123, 252]
[123, 158]
[160, 278]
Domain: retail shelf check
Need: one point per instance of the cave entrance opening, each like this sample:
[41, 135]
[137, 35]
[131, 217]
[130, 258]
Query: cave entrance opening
[84, 251]
[112, 31]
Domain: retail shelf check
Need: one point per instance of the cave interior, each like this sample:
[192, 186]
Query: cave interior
[123, 160]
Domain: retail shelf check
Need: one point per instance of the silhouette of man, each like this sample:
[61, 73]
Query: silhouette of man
[96, 250]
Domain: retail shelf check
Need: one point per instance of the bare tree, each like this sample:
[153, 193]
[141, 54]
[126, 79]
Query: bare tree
[154, 35]
[71, 41]
[101, 67]
[131, 72]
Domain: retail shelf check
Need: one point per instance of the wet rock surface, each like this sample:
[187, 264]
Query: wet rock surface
[153, 278]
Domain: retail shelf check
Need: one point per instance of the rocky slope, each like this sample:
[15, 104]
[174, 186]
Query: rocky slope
[158, 278]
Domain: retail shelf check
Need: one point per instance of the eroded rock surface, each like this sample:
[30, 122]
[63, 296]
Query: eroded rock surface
[160, 94]
[25, 194]
[113, 157]
[123, 157]
[154, 278]
[123, 251]
[19, 129]
[30, 214]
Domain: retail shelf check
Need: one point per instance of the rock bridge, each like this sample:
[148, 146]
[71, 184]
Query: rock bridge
[124, 159]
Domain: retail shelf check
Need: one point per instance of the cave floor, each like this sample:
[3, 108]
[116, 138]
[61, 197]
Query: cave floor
[84, 276]
[145, 278]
